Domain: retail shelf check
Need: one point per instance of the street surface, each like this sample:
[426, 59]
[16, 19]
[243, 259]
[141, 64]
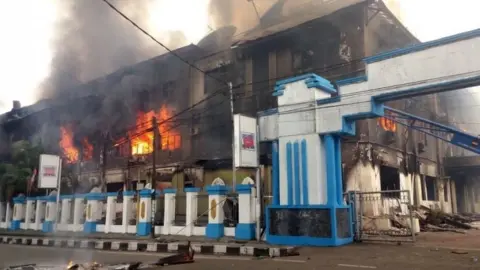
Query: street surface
[359, 256]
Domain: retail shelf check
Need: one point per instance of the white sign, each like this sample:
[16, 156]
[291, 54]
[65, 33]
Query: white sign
[245, 141]
[50, 170]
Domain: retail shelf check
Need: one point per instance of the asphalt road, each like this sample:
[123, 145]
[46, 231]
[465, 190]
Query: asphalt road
[389, 257]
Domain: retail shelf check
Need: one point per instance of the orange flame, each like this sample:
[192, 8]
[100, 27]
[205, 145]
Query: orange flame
[143, 144]
[66, 143]
[87, 149]
[70, 151]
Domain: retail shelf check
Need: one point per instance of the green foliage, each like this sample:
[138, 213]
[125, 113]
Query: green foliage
[14, 175]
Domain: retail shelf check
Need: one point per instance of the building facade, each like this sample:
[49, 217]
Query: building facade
[195, 147]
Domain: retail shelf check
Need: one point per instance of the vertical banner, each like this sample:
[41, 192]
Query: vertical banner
[245, 141]
[49, 171]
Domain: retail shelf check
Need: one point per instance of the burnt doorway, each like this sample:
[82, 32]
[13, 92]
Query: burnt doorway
[389, 180]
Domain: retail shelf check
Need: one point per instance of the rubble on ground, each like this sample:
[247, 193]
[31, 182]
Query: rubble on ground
[432, 220]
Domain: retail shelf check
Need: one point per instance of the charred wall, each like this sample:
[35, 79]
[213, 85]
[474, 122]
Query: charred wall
[410, 146]
[211, 119]
[326, 46]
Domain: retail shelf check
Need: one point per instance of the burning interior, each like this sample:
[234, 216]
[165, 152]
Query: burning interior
[142, 142]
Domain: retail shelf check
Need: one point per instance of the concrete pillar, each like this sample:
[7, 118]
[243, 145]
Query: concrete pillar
[245, 229]
[144, 223]
[66, 208]
[39, 213]
[127, 209]
[110, 214]
[192, 209]
[29, 212]
[94, 211]
[8, 214]
[216, 200]
[50, 214]
[169, 214]
[2, 211]
[78, 209]
[453, 195]
[18, 212]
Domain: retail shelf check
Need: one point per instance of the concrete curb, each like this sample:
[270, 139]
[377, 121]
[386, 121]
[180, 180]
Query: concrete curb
[145, 246]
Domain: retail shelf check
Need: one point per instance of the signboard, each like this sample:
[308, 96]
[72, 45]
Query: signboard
[245, 141]
[50, 170]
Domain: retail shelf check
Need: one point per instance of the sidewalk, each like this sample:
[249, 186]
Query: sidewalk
[125, 242]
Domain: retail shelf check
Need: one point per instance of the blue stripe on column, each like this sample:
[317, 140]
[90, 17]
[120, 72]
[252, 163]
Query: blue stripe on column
[289, 174]
[275, 174]
[296, 169]
[329, 145]
[304, 171]
[338, 171]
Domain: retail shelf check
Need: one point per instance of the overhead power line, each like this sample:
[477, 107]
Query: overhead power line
[158, 42]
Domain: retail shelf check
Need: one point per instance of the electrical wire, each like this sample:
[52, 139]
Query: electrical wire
[185, 61]
[158, 42]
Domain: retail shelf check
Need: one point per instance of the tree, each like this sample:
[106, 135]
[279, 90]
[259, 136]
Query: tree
[24, 158]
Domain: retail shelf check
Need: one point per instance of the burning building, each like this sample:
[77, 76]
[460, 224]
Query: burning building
[105, 127]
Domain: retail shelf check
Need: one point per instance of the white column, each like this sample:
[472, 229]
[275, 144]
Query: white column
[39, 213]
[127, 209]
[144, 223]
[216, 200]
[110, 211]
[29, 212]
[50, 214]
[8, 218]
[78, 210]
[192, 210]
[245, 229]
[94, 211]
[169, 215]
[18, 212]
[2, 213]
[66, 208]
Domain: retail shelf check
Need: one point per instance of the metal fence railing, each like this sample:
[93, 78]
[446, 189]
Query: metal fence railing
[382, 215]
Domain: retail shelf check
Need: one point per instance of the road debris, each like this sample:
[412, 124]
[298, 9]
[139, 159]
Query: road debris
[179, 258]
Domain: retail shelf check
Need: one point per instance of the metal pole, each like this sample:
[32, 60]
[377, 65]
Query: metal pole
[104, 163]
[126, 184]
[154, 170]
[234, 169]
[59, 184]
[258, 181]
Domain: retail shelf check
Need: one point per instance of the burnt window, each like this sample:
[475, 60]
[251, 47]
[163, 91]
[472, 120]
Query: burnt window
[389, 182]
[214, 80]
[431, 188]
[167, 88]
[446, 190]
[302, 59]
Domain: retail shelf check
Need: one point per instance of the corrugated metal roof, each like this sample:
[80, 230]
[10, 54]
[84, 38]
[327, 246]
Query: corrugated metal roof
[308, 12]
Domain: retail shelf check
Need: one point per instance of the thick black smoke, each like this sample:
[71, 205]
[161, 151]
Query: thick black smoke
[91, 40]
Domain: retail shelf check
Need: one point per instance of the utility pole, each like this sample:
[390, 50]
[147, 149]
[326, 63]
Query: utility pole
[154, 173]
[126, 184]
[104, 162]
[234, 169]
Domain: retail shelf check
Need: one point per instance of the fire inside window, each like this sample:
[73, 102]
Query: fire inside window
[170, 138]
[387, 124]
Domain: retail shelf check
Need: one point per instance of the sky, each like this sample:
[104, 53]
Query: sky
[27, 29]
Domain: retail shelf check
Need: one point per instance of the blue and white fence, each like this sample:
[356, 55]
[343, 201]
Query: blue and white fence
[97, 212]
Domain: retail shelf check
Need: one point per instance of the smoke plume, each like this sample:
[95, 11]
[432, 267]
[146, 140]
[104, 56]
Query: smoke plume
[91, 40]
